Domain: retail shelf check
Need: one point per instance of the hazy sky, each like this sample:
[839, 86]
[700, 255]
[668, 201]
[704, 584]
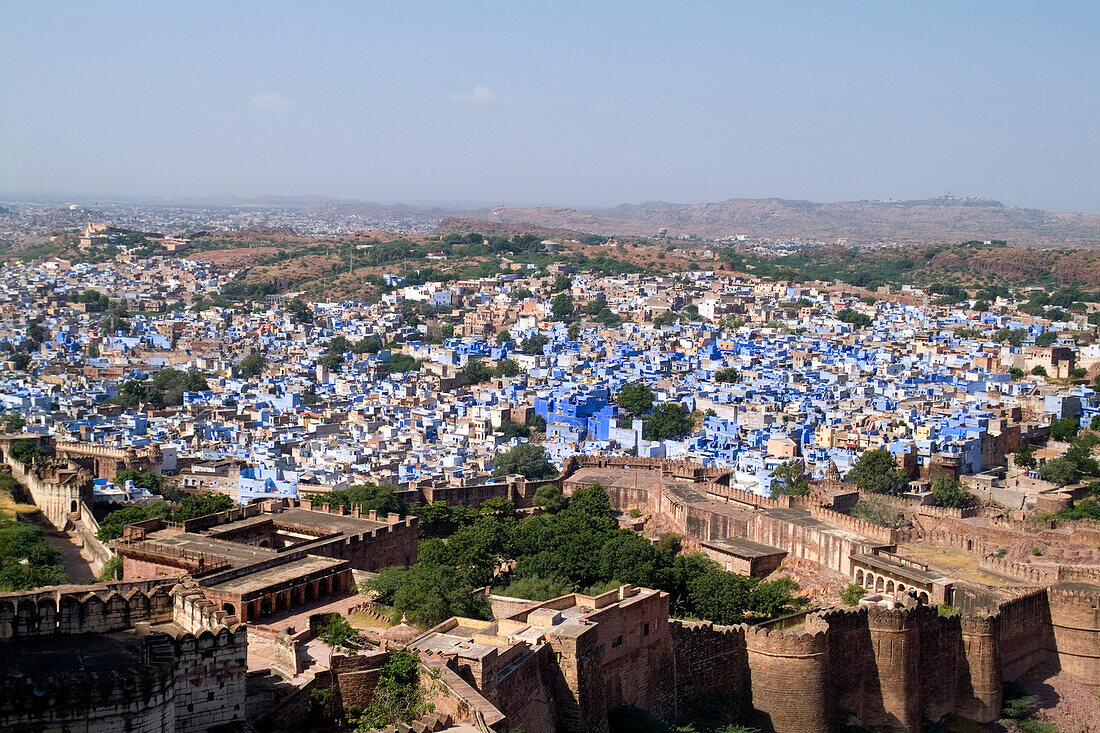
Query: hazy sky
[575, 103]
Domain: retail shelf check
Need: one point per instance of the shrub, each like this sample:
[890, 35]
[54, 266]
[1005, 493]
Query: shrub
[852, 593]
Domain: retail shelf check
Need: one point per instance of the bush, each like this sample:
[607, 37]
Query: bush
[878, 512]
[877, 472]
[549, 498]
[851, 594]
[669, 420]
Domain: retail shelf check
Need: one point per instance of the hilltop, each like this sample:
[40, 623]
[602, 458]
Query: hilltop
[926, 221]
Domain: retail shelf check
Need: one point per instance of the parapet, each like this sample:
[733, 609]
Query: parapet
[98, 608]
[782, 643]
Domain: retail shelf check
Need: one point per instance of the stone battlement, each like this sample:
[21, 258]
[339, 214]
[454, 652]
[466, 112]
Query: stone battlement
[68, 610]
[785, 643]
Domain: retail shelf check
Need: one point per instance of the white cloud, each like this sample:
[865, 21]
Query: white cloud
[479, 96]
[271, 100]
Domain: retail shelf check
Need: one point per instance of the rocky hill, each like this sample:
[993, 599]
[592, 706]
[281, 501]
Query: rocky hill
[943, 219]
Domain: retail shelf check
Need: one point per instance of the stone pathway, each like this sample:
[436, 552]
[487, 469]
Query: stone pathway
[77, 561]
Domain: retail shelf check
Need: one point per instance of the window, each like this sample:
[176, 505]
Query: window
[618, 642]
[646, 631]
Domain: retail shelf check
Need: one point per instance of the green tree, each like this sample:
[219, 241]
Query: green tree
[369, 496]
[476, 372]
[251, 365]
[851, 594]
[877, 472]
[1063, 428]
[670, 542]
[548, 498]
[512, 430]
[1016, 373]
[398, 698]
[21, 361]
[110, 527]
[854, 317]
[669, 420]
[561, 307]
[402, 363]
[534, 588]
[201, 505]
[506, 368]
[574, 331]
[498, 507]
[12, 421]
[790, 478]
[561, 282]
[536, 421]
[949, 493]
[503, 337]
[25, 451]
[1039, 371]
[1025, 456]
[527, 459]
[728, 375]
[635, 397]
[533, 345]
[431, 594]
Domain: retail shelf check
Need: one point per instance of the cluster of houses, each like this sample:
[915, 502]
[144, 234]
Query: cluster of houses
[769, 371]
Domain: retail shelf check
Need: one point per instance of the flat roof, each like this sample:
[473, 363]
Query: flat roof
[260, 579]
[803, 518]
[744, 547]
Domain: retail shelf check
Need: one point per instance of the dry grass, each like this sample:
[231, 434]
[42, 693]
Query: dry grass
[960, 563]
[9, 507]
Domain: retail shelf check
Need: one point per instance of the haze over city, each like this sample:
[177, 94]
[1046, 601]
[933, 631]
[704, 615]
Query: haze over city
[567, 103]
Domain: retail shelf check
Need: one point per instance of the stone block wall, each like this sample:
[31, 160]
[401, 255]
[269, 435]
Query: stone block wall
[210, 670]
[709, 661]
[1075, 632]
[141, 701]
[100, 608]
[356, 676]
[776, 660]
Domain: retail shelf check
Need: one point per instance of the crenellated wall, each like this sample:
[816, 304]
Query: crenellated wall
[191, 678]
[101, 608]
[1075, 631]
[775, 659]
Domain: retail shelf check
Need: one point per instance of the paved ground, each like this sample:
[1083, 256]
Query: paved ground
[78, 563]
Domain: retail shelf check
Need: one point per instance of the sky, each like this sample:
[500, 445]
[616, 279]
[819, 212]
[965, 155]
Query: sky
[553, 103]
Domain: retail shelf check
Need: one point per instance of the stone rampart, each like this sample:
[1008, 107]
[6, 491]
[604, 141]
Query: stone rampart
[1075, 632]
[141, 700]
[775, 660]
[101, 608]
[710, 661]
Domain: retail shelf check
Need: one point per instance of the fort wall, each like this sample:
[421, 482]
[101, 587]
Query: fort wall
[192, 681]
[1075, 632]
[775, 660]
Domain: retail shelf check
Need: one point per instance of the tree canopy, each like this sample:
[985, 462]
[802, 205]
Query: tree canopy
[579, 548]
[527, 459]
[876, 471]
[635, 398]
[669, 420]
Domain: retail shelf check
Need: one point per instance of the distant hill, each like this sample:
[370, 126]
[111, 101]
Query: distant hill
[943, 219]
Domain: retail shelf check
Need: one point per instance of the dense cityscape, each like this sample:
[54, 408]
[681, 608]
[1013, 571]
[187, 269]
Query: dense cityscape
[735, 448]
